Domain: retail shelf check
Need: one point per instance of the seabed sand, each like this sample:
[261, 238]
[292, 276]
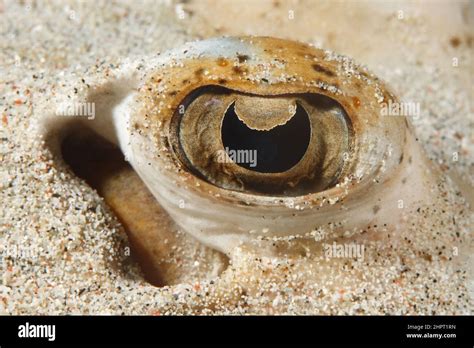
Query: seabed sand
[64, 251]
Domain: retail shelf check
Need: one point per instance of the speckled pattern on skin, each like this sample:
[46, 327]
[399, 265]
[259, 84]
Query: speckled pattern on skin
[64, 252]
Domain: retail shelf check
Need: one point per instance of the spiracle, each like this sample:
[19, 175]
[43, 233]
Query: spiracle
[244, 140]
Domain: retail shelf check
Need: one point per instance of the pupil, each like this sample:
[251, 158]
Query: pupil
[272, 151]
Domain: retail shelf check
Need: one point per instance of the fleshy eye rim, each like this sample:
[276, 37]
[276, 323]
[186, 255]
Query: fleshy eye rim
[196, 64]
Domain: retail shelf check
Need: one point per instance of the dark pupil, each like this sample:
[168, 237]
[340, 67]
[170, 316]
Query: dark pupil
[272, 151]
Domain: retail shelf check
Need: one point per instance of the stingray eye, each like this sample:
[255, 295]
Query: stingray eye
[289, 145]
[250, 140]
[287, 135]
[265, 117]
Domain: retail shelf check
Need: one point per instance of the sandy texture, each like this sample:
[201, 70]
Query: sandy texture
[63, 251]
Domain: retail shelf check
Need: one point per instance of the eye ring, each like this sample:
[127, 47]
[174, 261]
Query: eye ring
[272, 68]
[370, 135]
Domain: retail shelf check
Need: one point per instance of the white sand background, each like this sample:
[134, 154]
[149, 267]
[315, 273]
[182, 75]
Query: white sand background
[63, 249]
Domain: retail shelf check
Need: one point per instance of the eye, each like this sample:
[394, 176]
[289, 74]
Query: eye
[283, 145]
[288, 136]
[257, 146]
[244, 140]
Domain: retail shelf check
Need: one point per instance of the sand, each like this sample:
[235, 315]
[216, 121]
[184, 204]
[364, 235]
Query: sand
[64, 251]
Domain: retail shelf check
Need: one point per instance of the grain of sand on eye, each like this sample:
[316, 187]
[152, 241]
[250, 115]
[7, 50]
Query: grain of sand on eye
[64, 252]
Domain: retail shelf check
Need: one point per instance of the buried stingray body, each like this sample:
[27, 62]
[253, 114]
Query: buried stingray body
[344, 170]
